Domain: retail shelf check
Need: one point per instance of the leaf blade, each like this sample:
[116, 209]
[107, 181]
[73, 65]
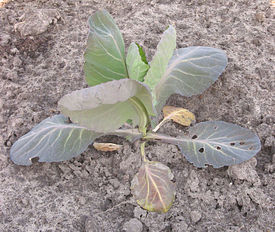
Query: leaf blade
[52, 140]
[136, 66]
[119, 98]
[161, 58]
[190, 71]
[152, 187]
[105, 46]
[217, 143]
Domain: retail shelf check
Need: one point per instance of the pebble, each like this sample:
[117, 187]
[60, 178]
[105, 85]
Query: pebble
[195, 216]
[140, 213]
[36, 22]
[244, 171]
[91, 225]
[134, 225]
[1, 104]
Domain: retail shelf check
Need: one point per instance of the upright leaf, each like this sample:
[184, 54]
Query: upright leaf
[216, 143]
[161, 58]
[142, 54]
[53, 140]
[190, 71]
[105, 54]
[152, 187]
[105, 107]
[137, 68]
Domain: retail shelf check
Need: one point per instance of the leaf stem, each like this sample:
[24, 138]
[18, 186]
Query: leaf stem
[160, 125]
[142, 113]
[142, 151]
[161, 137]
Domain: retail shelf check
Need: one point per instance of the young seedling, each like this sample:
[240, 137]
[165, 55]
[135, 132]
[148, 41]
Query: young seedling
[129, 88]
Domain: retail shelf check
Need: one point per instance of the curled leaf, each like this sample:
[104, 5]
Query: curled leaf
[105, 107]
[107, 146]
[152, 187]
[179, 115]
[136, 66]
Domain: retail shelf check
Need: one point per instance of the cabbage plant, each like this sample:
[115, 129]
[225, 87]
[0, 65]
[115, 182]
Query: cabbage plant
[127, 89]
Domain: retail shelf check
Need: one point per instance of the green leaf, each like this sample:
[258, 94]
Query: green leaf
[53, 140]
[152, 187]
[142, 54]
[190, 71]
[105, 54]
[105, 107]
[161, 58]
[216, 143]
[135, 65]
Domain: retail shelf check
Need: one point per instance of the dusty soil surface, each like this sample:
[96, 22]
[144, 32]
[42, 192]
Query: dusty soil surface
[42, 44]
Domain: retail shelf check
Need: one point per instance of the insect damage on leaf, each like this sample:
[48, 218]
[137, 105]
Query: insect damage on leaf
[152, 187]
[107, 146]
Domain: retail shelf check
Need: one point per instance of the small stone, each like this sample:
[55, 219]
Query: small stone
[260, 17]
[140, 213]
[91, 225]
[1, 104]
[36, 22]
[16, 62]
[115, 183]
[180, 224]
[134, 225]
[195, 216]
[193, 182]
[14, 51]
[4, 39]
[244, 171]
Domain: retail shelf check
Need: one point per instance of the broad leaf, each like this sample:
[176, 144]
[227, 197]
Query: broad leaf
[216, 143]
[105, 54]
[107, 146]
[190, 71]
[152, 187]
[105, 107]
[137, 68]
[53, 140]
[161, 58]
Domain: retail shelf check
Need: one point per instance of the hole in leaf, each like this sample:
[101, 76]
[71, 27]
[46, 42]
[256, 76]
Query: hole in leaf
[251, 148]
[215, 127]
[201, 150]
[232, 144]
[34, 160]
[194, 137]
[241, 143]
[219, 148]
